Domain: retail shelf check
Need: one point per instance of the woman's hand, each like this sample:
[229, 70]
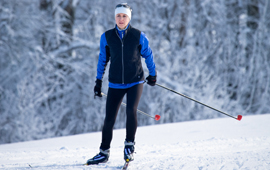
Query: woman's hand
[151, 80]
[97, 89]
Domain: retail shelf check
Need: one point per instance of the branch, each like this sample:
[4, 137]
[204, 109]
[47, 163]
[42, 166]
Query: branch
[72, 46]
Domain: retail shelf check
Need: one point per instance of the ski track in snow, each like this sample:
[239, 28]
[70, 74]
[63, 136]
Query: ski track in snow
[216, 144]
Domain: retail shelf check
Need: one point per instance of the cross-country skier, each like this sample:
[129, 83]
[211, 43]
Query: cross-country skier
[123, 46]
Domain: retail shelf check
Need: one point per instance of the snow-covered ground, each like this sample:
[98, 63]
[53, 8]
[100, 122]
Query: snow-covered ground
[215, 144]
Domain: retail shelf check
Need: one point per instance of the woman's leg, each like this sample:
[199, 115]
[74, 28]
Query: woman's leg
[114, 99]
[133, 97]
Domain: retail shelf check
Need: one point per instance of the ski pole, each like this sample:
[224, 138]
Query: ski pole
[239, 117]
[157, 117]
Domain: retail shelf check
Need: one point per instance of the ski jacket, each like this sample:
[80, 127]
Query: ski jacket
[124, 52]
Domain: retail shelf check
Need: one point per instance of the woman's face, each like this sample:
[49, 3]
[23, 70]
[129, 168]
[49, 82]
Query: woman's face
[121, 20]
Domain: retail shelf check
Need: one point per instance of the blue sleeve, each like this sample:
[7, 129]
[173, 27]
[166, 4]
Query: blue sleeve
[146, 53]
[102, 60]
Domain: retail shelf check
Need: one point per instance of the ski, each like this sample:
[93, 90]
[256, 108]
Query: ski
[125, 166]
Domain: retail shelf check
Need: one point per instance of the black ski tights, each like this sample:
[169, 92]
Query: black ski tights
[114, 99]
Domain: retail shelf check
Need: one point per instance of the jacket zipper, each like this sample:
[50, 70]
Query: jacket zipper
[123, 63]
[122, 41]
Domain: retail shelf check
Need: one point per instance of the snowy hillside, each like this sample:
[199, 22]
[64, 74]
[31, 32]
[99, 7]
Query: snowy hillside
[215, 51]
[207, 144]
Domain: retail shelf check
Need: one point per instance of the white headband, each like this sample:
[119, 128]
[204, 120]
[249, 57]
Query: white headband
[123, 10]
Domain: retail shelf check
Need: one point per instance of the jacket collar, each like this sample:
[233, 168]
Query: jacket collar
[123, 32]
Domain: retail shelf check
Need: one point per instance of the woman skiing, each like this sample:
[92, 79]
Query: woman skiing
[123, 46]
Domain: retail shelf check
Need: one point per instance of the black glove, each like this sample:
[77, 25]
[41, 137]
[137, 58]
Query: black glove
[97, 89]
[151, 80]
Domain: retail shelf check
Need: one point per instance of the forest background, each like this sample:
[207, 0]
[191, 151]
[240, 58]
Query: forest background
[215, 51]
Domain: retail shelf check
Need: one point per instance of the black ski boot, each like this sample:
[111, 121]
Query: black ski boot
[128, 151]
[102, 157]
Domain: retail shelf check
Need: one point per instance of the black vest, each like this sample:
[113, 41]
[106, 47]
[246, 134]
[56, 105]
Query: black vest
[125, 56]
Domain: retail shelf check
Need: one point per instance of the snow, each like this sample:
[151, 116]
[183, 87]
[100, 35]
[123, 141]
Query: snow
[211, 50]
[213, 144]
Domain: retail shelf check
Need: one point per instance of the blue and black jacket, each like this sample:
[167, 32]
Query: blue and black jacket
[124, 48]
